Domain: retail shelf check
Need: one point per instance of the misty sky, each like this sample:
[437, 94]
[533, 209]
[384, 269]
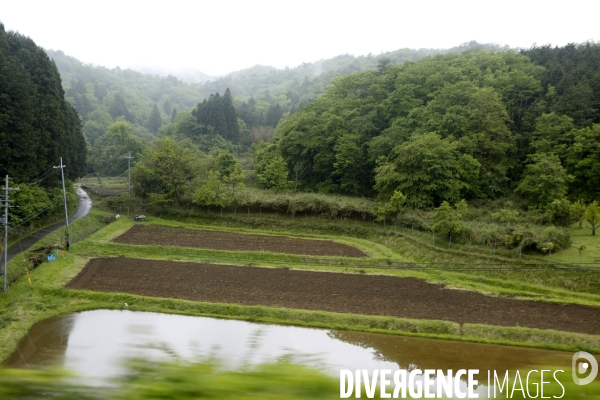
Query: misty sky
[218, 37]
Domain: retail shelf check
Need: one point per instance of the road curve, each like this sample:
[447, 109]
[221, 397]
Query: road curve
[83, 208]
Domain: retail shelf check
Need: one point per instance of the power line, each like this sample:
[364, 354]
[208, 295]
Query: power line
[44, 172]
[53, 204]
[119, 164]
[46, 176]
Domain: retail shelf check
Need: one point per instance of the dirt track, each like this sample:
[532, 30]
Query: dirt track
[166, 236]
[338, 292]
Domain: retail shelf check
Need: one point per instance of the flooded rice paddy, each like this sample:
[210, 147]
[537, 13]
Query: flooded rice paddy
[94, 344]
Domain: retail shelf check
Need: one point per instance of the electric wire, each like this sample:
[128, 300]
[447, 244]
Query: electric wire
[119, 164]
[43, 173]
[48, 175]
[53, 204]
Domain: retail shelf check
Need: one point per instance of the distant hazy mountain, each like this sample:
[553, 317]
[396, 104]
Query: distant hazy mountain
[307, 81]
[103, 95]
[189, 75]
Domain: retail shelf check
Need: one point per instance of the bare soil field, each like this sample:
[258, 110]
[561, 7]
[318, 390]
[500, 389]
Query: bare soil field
[328, 291]
[167, 236]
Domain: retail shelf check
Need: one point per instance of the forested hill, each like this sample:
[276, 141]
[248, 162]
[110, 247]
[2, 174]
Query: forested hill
[450, 127]
[572, 77]
[293, 86]
[101, 95]
[37, 125]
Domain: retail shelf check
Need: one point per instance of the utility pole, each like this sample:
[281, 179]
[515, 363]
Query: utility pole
[129, 174]
[62, 174]
[5, 221]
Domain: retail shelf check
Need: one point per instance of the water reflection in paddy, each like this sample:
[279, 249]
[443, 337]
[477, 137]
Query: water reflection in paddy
[94, 344]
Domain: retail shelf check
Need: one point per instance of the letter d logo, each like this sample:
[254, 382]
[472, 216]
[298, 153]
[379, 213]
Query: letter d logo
[590, 361]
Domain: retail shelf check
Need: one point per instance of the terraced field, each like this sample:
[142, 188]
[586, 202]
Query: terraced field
[205, 239]
[328, 291]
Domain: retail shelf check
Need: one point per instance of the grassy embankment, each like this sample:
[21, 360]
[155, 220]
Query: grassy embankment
[78, 230]
[24, 306]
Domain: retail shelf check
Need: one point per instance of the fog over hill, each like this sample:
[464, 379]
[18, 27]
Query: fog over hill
[186, 74]
[102, 95]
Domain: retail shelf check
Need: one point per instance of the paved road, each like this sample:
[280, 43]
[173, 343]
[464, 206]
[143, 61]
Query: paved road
[83, 208]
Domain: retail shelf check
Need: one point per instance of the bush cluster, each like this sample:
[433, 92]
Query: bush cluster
[486, 232]
[309, 203]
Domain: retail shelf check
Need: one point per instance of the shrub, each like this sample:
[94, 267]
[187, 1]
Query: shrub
[310, 203]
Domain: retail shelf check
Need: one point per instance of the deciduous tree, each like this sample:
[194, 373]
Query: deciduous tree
[427, 169]
[544, 180]
[448, 220]
[275, 175]
[592, 216]
[392, 208]
[577, 211]
[166, 168]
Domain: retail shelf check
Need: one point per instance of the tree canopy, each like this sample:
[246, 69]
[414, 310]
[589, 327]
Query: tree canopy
[37, 125]
[216, 115]
[474, 125]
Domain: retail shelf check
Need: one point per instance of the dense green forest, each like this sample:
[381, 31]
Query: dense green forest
[479, 125]
[261, 94]
[37, 127]
[515, 133]
[102, 96]
[486, 112]
[156, 106]
[302, 84]
[476, 125]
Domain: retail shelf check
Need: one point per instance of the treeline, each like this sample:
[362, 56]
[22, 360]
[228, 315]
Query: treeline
[262, 94]
[478, 125]
[217, 115]
[212, 125]
[306, 82]
[37, 125]
[104, 96]
[155, 106]
[571, 80]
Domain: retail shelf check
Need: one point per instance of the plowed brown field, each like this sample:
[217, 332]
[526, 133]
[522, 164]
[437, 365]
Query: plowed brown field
[167, 236]
[328, 291]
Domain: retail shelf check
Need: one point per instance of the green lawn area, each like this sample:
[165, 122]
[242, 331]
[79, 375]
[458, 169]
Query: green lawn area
[578, 237]
[109, 186]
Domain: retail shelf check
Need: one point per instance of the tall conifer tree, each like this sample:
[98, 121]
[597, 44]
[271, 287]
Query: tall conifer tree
[155, 121]
[37, 125]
